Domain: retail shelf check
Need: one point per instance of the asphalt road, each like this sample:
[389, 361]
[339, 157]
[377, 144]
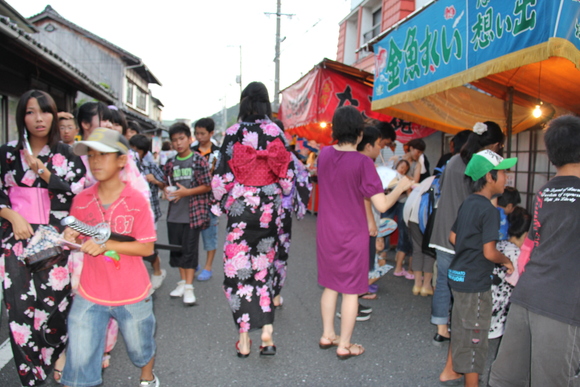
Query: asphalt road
[195, 345]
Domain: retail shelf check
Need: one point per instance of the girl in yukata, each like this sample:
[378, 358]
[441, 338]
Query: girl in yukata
[39, 176]
[253, 172]
[501, 289]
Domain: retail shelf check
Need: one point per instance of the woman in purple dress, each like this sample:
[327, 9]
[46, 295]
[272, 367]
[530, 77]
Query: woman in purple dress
[345, 178]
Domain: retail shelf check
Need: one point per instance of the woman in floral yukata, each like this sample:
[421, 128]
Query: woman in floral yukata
[253, 172]
[36, 188]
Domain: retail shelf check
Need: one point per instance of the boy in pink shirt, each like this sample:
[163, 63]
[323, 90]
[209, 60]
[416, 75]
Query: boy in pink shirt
[108, 287]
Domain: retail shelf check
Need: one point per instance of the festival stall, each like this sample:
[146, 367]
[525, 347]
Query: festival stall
[460, 61]
[456, 62]
[308, 106]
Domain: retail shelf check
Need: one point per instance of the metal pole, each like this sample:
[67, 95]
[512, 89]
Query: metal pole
[277, 58]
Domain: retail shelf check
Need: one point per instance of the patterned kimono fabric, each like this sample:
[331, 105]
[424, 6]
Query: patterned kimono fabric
[296, 201]
[37, 302]
[253, 173]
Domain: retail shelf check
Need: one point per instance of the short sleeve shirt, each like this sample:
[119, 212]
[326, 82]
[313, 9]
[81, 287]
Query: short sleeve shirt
[182, 173]
[101, 281]
[549, 285]
[477, 223]
[191, 171]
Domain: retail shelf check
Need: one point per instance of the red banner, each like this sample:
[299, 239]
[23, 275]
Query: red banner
[308, 105]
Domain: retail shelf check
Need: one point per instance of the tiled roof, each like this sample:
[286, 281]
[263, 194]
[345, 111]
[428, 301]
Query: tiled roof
[27, 41]
[130, 59]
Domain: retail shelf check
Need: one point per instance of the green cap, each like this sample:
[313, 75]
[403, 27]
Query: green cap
[486, 161]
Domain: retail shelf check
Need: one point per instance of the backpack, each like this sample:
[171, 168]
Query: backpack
[429, 200]
[427, 210]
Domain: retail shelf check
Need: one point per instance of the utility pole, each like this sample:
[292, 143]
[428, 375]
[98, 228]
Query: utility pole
[279, 13]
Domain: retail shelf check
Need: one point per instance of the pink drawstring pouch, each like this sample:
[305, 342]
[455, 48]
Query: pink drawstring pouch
[30, 202]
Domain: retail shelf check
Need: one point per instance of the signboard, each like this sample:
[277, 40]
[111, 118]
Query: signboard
[451, 36]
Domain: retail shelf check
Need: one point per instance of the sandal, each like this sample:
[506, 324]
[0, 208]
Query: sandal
[106, 360]
[368, 296]
[332, 343]
[57, 375]
[267, 350]
[350, 354]
[243, 355]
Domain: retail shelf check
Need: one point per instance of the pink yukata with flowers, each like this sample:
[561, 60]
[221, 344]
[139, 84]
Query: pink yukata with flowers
[253, 172]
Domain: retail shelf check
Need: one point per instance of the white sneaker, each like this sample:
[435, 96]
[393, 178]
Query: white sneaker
[188, 296]
[150, 383]
[157, 280]
[178, 292]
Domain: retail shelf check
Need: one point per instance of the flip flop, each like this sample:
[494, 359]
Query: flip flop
[57, 375]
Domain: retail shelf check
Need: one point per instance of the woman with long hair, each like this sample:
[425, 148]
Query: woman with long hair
[253, 172]
[39, 176]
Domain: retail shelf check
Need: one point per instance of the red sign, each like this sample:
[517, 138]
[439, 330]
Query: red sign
[308, 106]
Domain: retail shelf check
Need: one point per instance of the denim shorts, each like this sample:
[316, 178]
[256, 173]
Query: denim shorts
[209, 235]
[87, 325]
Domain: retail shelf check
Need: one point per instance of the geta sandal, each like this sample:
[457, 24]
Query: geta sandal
[243, 355]
[267, 350]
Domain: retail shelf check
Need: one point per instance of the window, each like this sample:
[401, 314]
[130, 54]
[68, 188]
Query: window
[533, 169]
[376, 25]
[130, 87]
[141, 102]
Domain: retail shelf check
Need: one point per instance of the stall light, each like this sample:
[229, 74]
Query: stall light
[537, 113]
[323, 124]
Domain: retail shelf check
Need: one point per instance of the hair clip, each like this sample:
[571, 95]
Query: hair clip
[479, 128]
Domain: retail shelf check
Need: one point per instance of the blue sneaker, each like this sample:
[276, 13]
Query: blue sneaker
[204, 275]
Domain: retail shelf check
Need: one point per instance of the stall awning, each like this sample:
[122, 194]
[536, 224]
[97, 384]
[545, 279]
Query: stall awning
[457, 61]
[308, 105]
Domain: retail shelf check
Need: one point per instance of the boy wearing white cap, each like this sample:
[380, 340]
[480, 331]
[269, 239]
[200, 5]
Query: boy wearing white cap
[474, 234]
[114, 281]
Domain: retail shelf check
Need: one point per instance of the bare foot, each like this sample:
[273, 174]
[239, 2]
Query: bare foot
[58, 366]
[350, 351]
[244, 344]
[267, 331]
[446, 376]
[327, 342]
[106, 360]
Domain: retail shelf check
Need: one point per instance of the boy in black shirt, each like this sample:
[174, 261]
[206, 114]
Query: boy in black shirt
[474, 234]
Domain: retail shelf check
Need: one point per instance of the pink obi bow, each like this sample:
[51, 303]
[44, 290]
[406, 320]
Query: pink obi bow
[260, 167]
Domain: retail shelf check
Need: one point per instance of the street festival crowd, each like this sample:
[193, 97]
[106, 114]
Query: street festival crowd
[79, 203]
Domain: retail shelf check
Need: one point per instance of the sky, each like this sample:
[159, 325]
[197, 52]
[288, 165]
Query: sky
[192, 46]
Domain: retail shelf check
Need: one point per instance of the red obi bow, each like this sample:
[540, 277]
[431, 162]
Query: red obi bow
[259, 167]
